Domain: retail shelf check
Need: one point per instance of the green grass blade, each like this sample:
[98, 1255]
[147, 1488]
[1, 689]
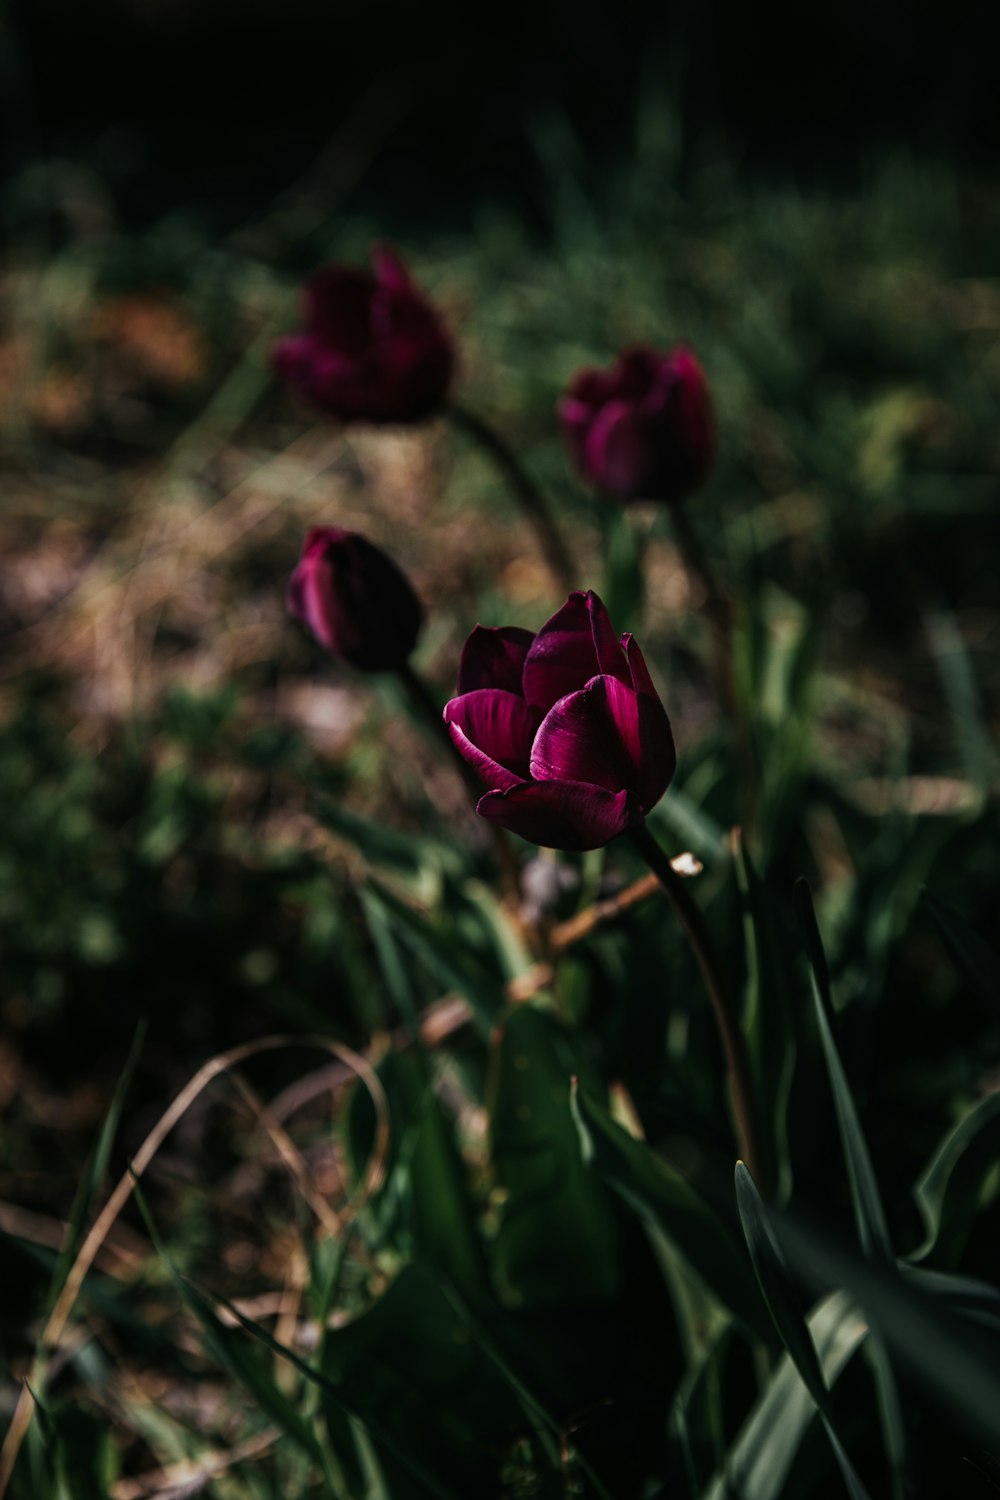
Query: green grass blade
[782, 1301]
[657, 1192]
[760, 1458]
[963, 1294]
[956, 1359]
[951, 1189]
[869, 1214]
[767, 1012]
[559, 1235]
[866, 1200]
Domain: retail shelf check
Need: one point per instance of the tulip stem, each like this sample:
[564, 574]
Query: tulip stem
[717, 608]
[532, 501]
[429, 711]
[718, 611]
[742, 1092]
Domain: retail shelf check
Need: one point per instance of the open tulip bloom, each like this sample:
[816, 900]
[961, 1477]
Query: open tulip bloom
[564, 728]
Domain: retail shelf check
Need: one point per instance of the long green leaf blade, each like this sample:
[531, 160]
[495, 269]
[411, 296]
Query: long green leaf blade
[866, 1200]
[782, 1301]
[760, 1459]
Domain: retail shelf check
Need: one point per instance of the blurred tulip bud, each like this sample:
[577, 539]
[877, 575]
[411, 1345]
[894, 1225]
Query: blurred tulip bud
[372, 347]
[643, 429]
[564, 728]
[355, 600]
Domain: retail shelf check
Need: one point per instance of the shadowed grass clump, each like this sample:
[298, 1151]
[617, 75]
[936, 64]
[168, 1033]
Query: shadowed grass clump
[492, 1245]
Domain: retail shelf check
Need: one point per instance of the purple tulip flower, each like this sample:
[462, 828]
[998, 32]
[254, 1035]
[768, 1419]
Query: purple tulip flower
[372, 347]
[355, 600]
[564, 727]
[643, 429]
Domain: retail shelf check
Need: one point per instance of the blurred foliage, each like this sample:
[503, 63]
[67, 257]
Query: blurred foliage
[486, 1278]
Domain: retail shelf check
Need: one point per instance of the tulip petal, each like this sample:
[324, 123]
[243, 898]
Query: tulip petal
[575, 417]
[291, 360]
[577, 643]
[638, 671]
[658, 760]
[311, 599]
[591, 735]
[656, 756]
[610, 654]
[317, 373]
[571, 815]
[489, 771]
[574, 414]
[494, 658]
[499, 726]
[695, 415]
[636, 370]
[338, 307]
[592, 387]
[389, 270]
[618, 453]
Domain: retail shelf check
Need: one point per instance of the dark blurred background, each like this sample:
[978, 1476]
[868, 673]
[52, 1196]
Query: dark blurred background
[425, 111]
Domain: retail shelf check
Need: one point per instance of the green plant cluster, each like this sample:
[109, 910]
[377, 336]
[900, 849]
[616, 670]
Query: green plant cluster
[515, 1262]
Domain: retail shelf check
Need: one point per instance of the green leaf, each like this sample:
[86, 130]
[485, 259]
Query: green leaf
[866, 1201]
[963, 1294]
[558, 1240]
[411, 1369]
[455, 966]
[390, 961]
[444, 1212]
[760, 1459]
[959, 1179]
[429, 1181]
[660, 1196]
[975, 960]
[954, 1357]
[696, 1424]
[406, 856]
[767, 1013]
[346, 1399]
[782, 1301]
[869, 1215]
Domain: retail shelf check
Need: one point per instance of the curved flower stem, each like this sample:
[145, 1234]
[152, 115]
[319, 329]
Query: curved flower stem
[533, 503]
[424, 702]
[744, 1098]
[719, 612]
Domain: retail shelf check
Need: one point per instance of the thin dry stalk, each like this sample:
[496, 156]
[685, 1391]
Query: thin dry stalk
[290, 1155]
[119, 1256]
